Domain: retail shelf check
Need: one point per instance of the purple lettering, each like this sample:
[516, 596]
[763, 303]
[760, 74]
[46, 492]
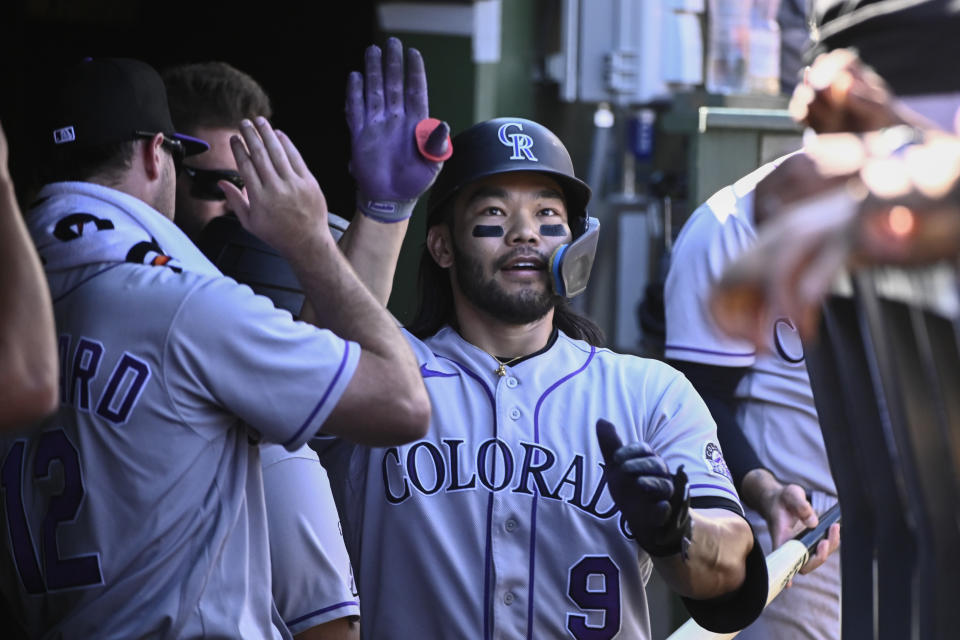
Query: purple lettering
[123, 389]
[485, 473]
[391, 497]
[576, 467]
[536, 470]
[455, 484]
[86, 361]
[438, 467]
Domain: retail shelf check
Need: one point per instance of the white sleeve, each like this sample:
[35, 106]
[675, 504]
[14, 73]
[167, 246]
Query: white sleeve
[681, 430]
[233, 349]
[311, 573]
[712, 237]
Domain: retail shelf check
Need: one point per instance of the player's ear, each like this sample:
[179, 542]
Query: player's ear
[440, 245]
[152, 156]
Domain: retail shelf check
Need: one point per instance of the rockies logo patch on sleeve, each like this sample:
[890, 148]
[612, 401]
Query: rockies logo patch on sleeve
[713, 456]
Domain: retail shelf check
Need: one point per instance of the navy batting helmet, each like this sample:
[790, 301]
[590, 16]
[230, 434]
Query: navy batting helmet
[505, 145]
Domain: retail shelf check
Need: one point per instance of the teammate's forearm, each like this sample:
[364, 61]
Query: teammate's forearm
[373, 248]
[28, 352]
[716, 561]
[340, 303]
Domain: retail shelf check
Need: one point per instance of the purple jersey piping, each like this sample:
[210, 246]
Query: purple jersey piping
[533, 511]
[716, 486]
[326, 394]
[324, 610]
[84, 281]
[710, 351]
[426, 372]
[488, 544]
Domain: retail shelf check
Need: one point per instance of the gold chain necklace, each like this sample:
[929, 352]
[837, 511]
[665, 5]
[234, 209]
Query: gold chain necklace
[501, 370]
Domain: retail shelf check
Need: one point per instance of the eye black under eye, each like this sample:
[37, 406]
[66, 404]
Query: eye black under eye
[487, 231]
[553, 230]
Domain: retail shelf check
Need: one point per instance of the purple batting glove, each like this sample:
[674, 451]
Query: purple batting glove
[393, 160]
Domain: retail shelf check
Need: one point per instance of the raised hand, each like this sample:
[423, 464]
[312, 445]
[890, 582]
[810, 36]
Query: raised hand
[840, 93]
[4, 155]
[396, 150]
[284, 205]
[655, 503]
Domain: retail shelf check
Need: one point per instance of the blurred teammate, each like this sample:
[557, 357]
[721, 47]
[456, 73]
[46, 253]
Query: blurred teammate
[138, 509]
[312, 579]
[751, 265]
[28, 350]
[886, 117]
[763, 406]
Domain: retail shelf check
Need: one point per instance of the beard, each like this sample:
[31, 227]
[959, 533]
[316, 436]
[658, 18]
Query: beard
[523, 307]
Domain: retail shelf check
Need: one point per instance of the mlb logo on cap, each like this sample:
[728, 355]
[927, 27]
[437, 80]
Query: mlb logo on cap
[65, 134]
[105, 101]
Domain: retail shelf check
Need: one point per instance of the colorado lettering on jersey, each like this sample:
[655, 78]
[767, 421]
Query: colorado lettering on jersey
[80, 366]
[427, 469]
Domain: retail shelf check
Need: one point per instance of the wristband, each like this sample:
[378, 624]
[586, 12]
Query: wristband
[387, 211]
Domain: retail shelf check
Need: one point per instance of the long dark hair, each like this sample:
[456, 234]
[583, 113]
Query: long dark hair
[435, 306]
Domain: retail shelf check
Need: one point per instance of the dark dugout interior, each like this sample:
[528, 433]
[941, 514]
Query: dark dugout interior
[300, 52]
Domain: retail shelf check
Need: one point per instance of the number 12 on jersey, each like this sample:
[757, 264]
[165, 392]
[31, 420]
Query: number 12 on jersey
[58, 573]
[594, 585]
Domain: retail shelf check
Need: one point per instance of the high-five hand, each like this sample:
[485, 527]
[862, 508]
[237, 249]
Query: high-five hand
[284, 205]
[396, 150]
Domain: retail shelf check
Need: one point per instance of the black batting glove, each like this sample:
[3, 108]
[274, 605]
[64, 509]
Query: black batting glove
[655, 503]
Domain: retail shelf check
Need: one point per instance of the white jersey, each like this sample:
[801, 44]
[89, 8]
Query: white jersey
[498, 523]
[777, 411]
[138, 509]
[312, 576]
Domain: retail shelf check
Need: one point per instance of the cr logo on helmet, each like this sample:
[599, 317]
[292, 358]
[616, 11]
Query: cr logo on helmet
[521, 143]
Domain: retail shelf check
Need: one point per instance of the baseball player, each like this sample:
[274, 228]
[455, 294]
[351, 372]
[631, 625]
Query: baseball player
[312, 578]
[765, 396]
[763, 406]
[521, 514]
[28, 357]
[138, 509]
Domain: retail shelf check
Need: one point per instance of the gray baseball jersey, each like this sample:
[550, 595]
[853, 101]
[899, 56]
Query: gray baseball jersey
[777, 415]
[777, 412]
[312, 576]
[498, 523]
[138, 508]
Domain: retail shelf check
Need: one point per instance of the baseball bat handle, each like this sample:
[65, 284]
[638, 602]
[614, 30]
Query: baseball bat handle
[812, 537]
[782, 564]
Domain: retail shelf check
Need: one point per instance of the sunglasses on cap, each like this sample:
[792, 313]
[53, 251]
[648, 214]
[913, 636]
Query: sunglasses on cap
[174, 148]
[203, 182]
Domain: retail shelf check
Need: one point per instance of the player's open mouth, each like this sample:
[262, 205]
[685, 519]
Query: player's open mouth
[524, 264]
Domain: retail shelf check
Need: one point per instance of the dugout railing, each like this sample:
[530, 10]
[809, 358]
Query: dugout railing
[885, 371]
